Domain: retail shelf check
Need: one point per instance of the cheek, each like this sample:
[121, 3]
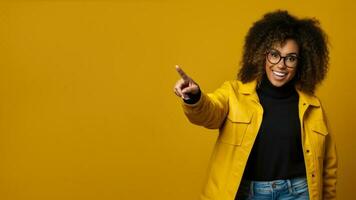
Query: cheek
[267, 67]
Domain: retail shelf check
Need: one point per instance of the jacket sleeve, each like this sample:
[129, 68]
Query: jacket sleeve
[211, 109]
[330, 166]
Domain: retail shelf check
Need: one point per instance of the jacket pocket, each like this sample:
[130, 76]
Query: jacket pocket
[320, 127]
[320, 132]
[234, 128]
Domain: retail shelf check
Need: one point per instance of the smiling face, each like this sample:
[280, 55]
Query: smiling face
[280, 73]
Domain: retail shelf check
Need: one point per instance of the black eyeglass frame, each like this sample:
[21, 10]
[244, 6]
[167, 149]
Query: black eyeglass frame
[282, 57]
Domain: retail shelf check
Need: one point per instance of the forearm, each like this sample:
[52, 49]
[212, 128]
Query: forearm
[208, 110]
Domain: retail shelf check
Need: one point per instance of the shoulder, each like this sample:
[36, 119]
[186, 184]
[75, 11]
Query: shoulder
[244, 88]
[232, 85]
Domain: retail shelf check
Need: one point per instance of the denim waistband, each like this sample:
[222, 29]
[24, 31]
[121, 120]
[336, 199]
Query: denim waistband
[291, 185]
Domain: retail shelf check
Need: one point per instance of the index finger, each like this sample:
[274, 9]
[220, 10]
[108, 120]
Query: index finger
[182, 73]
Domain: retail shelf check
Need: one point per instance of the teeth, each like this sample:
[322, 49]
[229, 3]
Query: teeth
[279, 73]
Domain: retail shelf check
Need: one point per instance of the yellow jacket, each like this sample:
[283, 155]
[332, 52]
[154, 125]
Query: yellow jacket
[235, 110]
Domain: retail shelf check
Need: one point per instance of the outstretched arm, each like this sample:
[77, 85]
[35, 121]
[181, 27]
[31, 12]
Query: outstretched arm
[204, 109]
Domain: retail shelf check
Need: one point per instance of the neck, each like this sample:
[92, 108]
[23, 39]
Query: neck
[268, 89]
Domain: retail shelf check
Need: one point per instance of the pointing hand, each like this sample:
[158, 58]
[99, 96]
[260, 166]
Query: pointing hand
[185, 85]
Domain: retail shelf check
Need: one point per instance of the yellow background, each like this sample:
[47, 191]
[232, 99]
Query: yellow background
[87, 109]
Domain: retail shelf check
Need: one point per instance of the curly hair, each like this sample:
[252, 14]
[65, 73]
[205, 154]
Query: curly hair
[277, 27]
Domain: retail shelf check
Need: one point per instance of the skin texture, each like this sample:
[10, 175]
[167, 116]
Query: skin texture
[289, 47]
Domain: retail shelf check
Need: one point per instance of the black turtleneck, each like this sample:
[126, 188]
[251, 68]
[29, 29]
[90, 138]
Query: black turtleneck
[277, 152]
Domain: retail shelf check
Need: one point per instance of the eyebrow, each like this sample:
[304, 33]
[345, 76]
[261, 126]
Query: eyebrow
[288, 54]
[294, 54]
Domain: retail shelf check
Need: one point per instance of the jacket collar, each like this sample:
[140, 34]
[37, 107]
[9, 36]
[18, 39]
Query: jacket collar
[308, 99]
[250, 89]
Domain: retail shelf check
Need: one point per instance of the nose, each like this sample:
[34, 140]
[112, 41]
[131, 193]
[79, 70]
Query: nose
[281, 63]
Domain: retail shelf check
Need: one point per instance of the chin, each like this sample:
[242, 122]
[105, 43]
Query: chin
[279, 84]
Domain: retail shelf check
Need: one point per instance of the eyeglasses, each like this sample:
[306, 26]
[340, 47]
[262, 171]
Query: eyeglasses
[274, 57]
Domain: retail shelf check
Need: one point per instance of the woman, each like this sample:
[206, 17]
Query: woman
[273, 138]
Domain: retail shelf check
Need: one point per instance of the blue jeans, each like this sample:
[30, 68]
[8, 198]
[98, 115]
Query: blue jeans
[288, 189]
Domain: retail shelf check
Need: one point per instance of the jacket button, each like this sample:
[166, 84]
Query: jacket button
[313, 175]
[308, 151]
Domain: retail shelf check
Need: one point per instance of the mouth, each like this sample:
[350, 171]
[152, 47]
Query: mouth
[279, 74]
